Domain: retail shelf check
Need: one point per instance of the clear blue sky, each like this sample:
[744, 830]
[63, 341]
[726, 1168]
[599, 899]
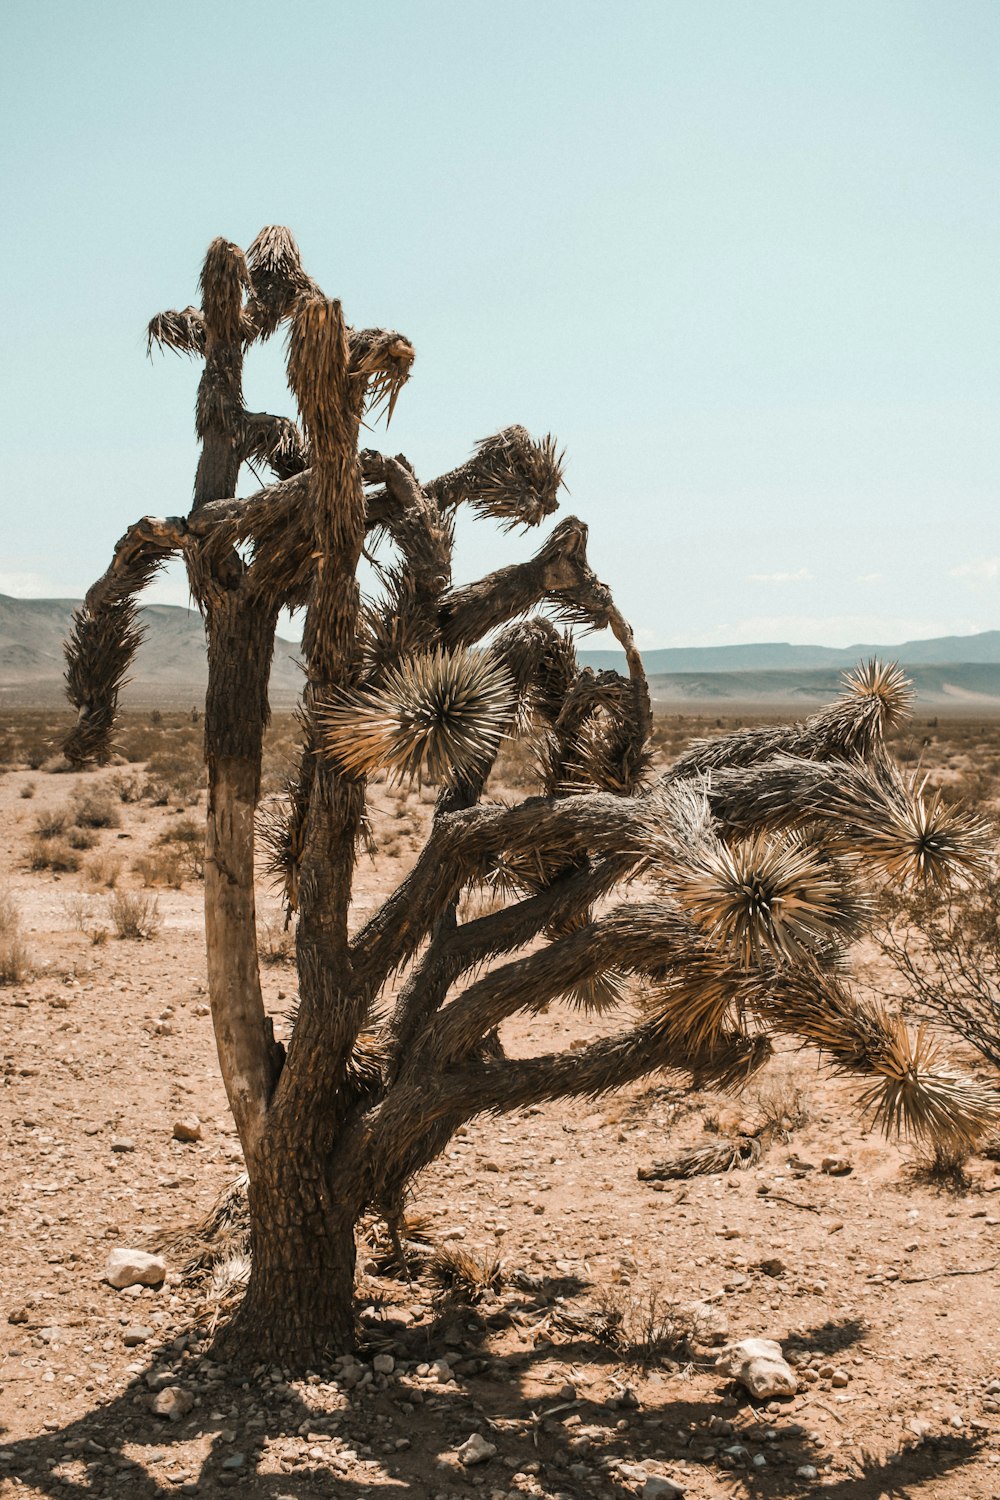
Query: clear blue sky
[742, 258]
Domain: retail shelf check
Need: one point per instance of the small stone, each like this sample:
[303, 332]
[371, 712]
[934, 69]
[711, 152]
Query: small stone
[836, 1166]
[126, 1267]
[440, 1370]
[773, 1266]
[234, 1461]
[136, 1334]
[475, 1450]
[383, 1364]
[122, 1144]
[19, 1315]
[758, 1365]
[455, 1233]
[173, 1402]
[807, 1471]
[187, 1129]
[567, 1392]
[839, 1379]
[657, 1488]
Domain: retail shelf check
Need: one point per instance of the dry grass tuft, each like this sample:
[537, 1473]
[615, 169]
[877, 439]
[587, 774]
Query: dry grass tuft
[943, 1167]
[134, 917]
[466, 1275]
[14, 964]
[104, 869]
[50, 853]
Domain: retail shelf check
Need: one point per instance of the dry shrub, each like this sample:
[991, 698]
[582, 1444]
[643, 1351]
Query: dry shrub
[942, 1167]
[81, 838]
[160, 867]
[133, 915]
[780, 1106]
[28, 790]
[185, 840]
[641, 1327]
[96, 808]
[14, 965]
[103, 869]
[275, 942]
[53, 854]
[82, 912]
[51, 823]
[175, 776]
[129, 786]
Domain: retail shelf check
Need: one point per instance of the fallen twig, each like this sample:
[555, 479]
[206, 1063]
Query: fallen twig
[792, 1202]
[940, 1275]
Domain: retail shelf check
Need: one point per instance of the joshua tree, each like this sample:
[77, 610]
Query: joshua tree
[751, 858]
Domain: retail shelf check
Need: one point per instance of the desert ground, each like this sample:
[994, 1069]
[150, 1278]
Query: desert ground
[576, 1330]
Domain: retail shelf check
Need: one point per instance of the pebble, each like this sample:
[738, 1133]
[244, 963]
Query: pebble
[475, 1450]
[173, 1402]
[188, 1128]
[136, 1334]
[122, 1144]
[807, 1471]
[128, 1267]
[383, 1364]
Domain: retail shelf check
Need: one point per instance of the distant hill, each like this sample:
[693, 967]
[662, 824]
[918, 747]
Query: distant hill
[951, 671]
[779, 655]
[974, 686]
[171, 660]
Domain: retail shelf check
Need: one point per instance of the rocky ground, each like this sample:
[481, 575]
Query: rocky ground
[587, 1367]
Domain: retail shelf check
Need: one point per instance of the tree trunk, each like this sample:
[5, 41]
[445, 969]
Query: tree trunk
[298, 1309]
[241, 637]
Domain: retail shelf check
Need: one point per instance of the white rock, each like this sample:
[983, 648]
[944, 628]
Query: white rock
[475, 1450]
[758, 1366]
[127, 1267]
[173, 1402]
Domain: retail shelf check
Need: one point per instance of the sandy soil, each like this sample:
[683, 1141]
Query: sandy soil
[881, 1289]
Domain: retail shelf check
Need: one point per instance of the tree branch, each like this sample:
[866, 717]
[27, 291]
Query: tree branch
[558, 573]
[106, 634]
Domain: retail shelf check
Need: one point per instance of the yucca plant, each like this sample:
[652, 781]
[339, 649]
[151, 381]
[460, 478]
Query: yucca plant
[752, 862]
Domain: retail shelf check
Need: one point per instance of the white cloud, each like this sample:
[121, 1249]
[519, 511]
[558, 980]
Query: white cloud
[33, 586]
[802, 576]
[984, 570]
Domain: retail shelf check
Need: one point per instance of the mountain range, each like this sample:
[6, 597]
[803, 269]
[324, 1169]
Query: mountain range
[947, 670]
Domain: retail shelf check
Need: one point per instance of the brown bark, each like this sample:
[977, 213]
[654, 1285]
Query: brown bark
[299, 1305]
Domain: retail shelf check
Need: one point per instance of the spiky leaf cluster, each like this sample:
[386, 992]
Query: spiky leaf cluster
[437, 717]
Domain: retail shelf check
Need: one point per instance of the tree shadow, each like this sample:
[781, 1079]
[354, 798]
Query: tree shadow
[828, 1338]
[295, 1441]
